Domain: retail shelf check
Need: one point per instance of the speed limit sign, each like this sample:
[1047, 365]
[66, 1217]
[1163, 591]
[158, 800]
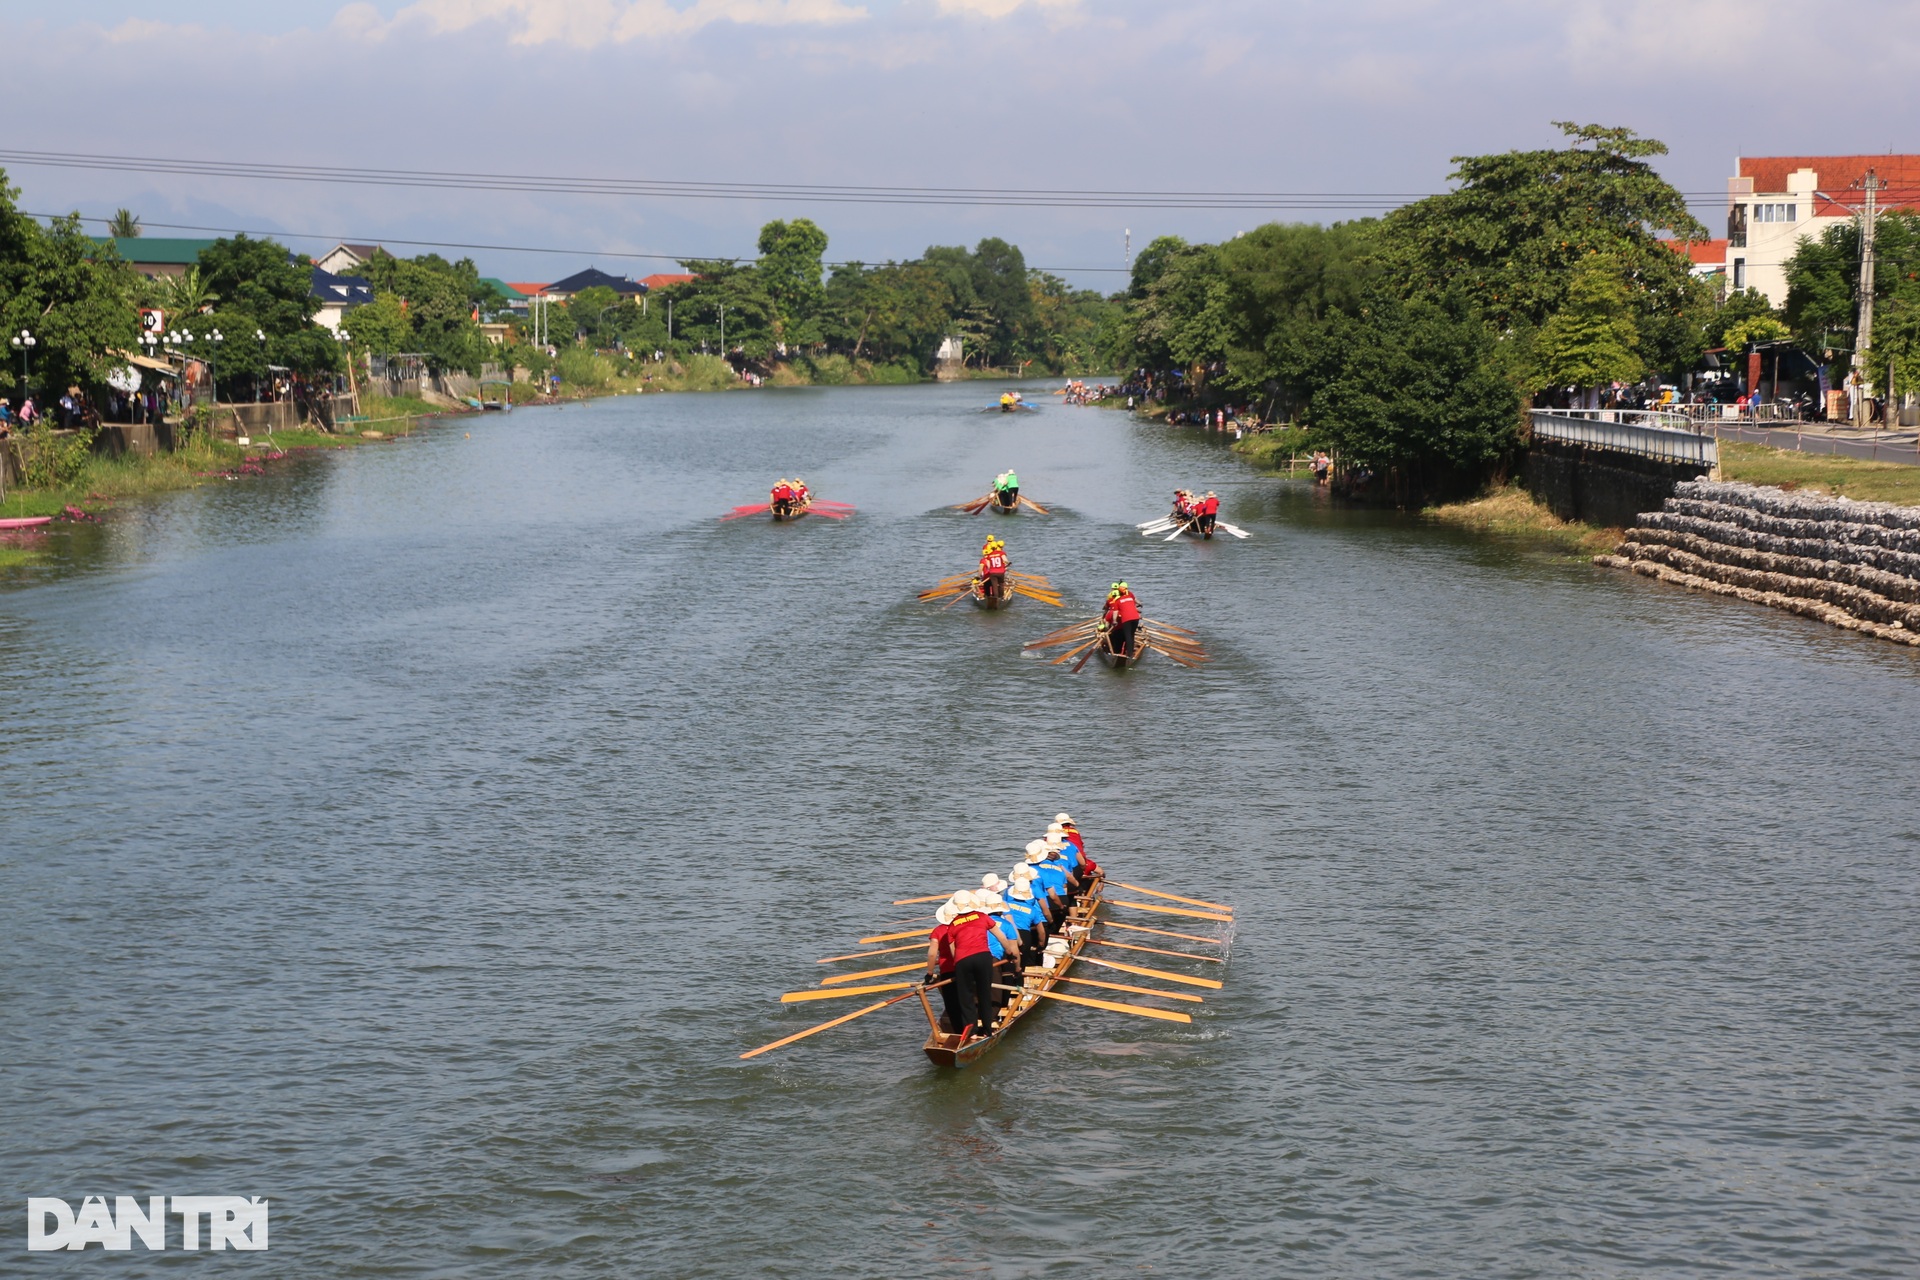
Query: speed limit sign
[153, 320]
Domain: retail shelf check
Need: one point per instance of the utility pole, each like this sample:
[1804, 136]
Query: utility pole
[1863, 335]
[1126, 258]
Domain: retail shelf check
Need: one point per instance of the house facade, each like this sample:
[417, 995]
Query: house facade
[1775, 202]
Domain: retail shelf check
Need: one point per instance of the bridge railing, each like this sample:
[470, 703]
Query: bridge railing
[1645, 433]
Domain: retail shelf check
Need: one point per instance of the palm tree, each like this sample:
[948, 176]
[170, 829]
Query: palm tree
[123, 225]
[184, 295]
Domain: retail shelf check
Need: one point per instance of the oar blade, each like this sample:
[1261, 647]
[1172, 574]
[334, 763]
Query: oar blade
[1164, 1015]
[825, 1026]
[895, 937]
[1143, 971]
[887, 972]
[1139, 991]
[1148, 906]
[836, 993]
[1174, 897]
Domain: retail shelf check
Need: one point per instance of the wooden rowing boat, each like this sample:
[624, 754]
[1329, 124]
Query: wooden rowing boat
[1121, 661]
[992, 593]
[1005, 508]
[943, 1048]
[792, 511]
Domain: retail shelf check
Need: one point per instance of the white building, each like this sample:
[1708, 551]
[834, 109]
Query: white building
[1775, 202]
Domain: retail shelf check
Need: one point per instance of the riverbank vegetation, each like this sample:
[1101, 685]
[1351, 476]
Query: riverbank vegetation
[787, 316]
[1509, 511]
[1411, 344]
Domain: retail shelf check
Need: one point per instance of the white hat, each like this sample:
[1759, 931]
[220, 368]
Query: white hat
[945, 914]
[961, 901]
[1036, 851]
[990, 901]
[1055, 841]
[993, 882]
[1022, 889]
[1065, 818]
[1022, 873]
[1055, 829]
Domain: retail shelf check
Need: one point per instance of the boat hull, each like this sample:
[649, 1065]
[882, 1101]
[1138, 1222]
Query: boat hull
[25, 522]
[987, 600]
[943, 1050]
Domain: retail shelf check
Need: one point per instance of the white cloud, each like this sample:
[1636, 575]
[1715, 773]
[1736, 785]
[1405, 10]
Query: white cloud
[1001, 8]
[589, 23]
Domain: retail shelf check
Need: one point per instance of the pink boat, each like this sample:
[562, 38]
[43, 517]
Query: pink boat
[25, 522]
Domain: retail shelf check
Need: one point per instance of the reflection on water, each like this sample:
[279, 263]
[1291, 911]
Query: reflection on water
[416, 835]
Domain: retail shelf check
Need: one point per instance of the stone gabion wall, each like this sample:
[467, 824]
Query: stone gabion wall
[1853, 564]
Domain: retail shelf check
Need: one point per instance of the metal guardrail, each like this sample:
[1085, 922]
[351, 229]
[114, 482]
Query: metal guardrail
[1645, 433]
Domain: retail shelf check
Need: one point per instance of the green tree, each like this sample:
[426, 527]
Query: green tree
[747, 318]
[182, 296]
[790, 270]
[1283, 283]
[1412, 385]
[380, 327]
[439, 299]
[1591, 341]
[1511, 237]
[262, 281]
[123, 225]
[1152, 263]
[999, 273]
[72, 293]
[1896, 342]
[1823, 278]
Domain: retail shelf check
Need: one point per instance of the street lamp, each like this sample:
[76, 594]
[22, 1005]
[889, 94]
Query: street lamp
[24, 343]
[260, 337]
[213, 368]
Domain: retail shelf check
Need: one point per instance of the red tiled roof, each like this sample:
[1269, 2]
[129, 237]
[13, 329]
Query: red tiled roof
[1835, 176]
[665, 280]
[528, 289]
[1702, 253]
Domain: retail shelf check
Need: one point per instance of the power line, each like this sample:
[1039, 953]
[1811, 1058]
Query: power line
[489, 248]
[662, 188]
[675, 189]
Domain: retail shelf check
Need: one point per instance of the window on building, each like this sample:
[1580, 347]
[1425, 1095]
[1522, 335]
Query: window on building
[1739, 273]
[1737, 226]
[1776, 213]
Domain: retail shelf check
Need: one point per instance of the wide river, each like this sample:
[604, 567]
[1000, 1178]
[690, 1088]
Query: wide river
[417, 835]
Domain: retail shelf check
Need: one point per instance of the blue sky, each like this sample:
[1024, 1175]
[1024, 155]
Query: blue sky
[1196, 96]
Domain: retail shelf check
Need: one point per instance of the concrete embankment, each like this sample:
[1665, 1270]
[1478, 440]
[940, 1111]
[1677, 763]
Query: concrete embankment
[1853, 564]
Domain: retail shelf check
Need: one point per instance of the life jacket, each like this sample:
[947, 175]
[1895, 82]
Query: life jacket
[993, 562]
[967, 935]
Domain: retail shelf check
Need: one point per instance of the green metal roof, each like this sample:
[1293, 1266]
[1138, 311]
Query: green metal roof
[159, 249]
[502, 288]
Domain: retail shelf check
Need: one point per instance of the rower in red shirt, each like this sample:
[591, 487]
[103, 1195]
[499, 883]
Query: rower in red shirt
[1209, 512]
[973, 966]
[1122, 616]
[940, 965]
[993, 568]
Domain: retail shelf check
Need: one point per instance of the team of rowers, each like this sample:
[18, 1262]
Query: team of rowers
[994, 933]
[789, 496]
[991, 582]
[1198, 509]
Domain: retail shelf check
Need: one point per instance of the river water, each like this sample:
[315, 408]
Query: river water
[416, 836]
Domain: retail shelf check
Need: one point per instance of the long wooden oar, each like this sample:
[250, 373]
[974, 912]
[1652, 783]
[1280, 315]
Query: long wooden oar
[835, 993]
[921, 933]
[1138, 906]
[1029, 502]
[1091, 648]
[1145, 972]
[1165, 1015]
[1054, 662]
[887, 972]
[878, 951]
[1035, 595]
[848, 1017]
[1125, 946]
[911, 902]
[1139, 991]
[1115, 924]
[1171, 897]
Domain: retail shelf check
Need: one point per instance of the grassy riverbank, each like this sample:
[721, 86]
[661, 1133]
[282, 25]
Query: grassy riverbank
[1512, 512]
[1847, 477]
